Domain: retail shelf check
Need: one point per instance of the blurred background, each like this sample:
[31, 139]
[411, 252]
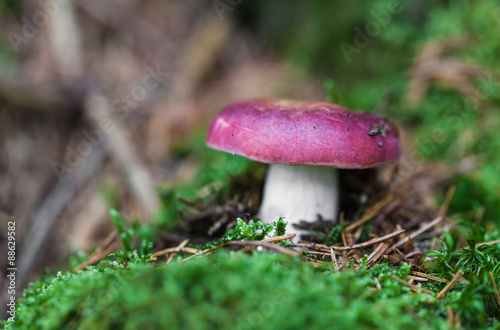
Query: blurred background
[104, 103]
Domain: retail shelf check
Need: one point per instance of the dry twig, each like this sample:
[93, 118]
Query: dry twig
[450, 285]
[411, 286]
[377, 253]
[377, 208]
[417, 233]
[334, 260]
[325, 248]
[267, 246]
[497, 294]
[96, 257]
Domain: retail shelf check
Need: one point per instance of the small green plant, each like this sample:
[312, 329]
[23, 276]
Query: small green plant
[476, 261]
[252, 231]
[475, 300]
[439, 261]
[137, 239]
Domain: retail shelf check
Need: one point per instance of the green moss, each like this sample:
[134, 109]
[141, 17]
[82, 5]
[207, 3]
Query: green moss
[223, 291]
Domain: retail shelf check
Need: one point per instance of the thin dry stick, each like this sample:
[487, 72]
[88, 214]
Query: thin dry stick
[485, 243]
[268, 246]
[349, 238]
[497, 294]
[99, 256]
[377, 207]
[448, 286]
[210, 250]
[200, 253]
[377, 253]
[446, 202]
[441, 214]
[417, 233]
[392, 259]
[411, 286]
[65, 39]
[371, 212]
[334, 260]
[420, 279]
[179, 248]
[278, 238]
[402, 255]
[107, 241]
[325, 248]
[191, 204]
[314, 261]
[450, 317]
[324, 254]
[430, 277]
[413, 254]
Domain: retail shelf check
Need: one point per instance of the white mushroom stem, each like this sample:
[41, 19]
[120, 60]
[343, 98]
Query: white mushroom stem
[299, 193]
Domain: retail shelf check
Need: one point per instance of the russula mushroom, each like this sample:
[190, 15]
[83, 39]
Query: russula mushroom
[304, 142]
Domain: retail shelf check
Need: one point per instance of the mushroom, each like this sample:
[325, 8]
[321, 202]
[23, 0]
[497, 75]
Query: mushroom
[304, 142]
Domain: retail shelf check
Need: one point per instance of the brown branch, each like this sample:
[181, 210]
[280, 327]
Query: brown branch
[411, 286]
[268, 246]
[450, 285]
[416, 233]
[446, 202]
[497, 294]
[486, 243]
[107, 241]
[325, 248]
[334, 260]
[430, 277]
[402, 255]
[95, 258]
[377, 253]
[180, 248]
[376, 208]
[278, 238]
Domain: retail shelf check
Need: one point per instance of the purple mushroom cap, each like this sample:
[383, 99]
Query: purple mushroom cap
[302, 132]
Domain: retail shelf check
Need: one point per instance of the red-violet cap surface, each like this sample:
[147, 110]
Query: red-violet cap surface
[303, 132]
